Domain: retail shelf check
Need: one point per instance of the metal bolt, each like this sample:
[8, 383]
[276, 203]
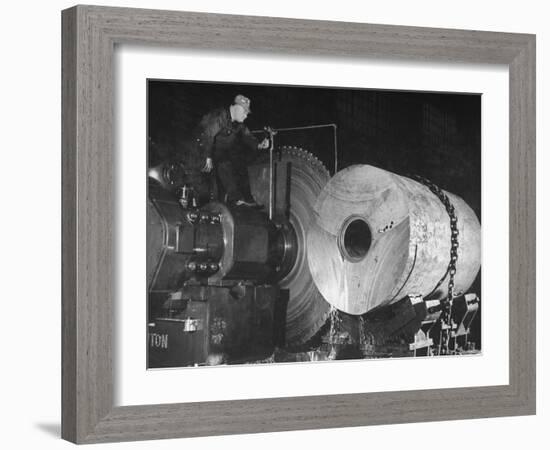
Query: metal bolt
[192, 216]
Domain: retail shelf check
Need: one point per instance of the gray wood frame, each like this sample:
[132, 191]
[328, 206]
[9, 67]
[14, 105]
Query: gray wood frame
[89, 36]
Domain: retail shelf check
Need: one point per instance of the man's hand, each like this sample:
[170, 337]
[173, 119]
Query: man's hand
[208, 165]
[264, 144]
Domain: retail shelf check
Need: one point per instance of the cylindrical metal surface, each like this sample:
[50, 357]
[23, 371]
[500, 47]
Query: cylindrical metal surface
[253, 247]
[377, 236]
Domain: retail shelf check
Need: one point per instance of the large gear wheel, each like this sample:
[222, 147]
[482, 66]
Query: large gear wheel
[299, 177]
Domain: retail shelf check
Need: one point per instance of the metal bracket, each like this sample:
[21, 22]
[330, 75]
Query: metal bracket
[190, 325]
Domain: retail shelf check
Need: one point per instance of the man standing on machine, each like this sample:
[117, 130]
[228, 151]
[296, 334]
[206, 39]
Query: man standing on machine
[225, 144]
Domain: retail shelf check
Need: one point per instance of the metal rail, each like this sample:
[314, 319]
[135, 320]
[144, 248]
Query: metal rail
[310, 127]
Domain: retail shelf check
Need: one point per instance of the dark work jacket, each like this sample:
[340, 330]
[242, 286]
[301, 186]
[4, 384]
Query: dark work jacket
[217, 137]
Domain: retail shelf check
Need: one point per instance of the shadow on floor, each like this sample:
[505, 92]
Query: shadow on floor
[53, 429]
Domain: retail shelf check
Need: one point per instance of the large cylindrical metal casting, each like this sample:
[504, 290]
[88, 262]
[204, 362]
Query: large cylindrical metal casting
[377, 237]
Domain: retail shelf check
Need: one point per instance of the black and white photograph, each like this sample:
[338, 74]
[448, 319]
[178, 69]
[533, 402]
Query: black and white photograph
[296, 224]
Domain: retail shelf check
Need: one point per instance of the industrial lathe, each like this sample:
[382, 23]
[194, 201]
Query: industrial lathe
[365, 264]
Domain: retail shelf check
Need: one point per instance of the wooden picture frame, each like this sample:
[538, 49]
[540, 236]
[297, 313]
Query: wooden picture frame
[90, 34]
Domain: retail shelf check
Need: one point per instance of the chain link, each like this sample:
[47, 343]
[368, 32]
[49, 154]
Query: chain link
[335, 323]
[451, 268]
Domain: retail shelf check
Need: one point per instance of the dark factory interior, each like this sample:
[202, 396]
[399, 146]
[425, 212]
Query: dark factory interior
[434, 135]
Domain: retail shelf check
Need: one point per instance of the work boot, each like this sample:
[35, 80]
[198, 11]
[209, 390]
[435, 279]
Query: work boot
[251, 204]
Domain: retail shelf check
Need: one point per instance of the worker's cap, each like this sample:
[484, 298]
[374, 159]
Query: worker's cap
[243, 101]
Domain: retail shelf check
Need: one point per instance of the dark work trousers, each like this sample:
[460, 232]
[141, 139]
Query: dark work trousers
[233, 176]
[232, 154]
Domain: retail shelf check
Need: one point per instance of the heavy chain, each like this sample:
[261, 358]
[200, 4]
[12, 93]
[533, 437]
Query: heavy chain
[451, 268]
[335, 323]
